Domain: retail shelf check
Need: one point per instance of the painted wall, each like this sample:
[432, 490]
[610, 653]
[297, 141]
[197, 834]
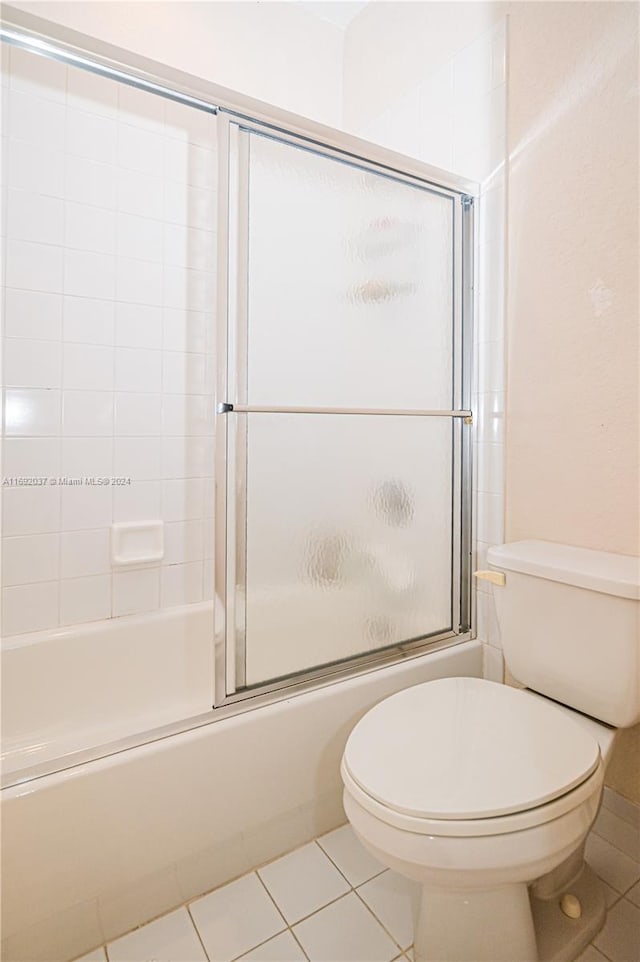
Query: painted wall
[573, 373]
[573, 367]
[275, 52]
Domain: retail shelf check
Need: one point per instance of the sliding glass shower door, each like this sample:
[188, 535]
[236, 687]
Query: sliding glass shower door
[342, 398]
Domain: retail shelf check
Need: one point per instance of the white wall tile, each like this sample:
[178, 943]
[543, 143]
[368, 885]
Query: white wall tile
[138, 325]
[490, 521]
[33, 314]
[139, 237]
[138, 415]
[87, 413]
[188, 331]
[39, 76]
[90, 182]
[490, 468]
[90, 228]
[181, 584]
[34, 217]
[36, 120]
[36, 168]
[31, 510]
[135, 591]
[184, 373]
[87, 457]
[31, 413]
[138, 501]
[91, 136]
[29, 559]
[141, 108]
[185, 247]
[208, 580]
[140, 149]
[197, 126]
[138, 370]
[90, 92]
[190, 205]
[188, 290]
[491, 417]
[88, 367]
[87, 274]
[31, 457]
[88, 320]
[183, 500]
[35, 267]
[85, 506]
[138, 281]
[187, 457]
[29, 608]
[85, 599]
[140, 194]
[137, 458]
[85, 553]
[187, 415]
[31, 363]
[183, 542]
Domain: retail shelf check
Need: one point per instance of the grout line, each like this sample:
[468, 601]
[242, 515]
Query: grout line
[380, 922]
[191, 918]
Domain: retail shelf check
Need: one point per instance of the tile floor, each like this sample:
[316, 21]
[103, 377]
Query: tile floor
[330, 901]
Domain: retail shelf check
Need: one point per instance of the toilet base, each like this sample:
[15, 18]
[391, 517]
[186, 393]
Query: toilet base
[559, 938]
[507, 924]
[490, 925]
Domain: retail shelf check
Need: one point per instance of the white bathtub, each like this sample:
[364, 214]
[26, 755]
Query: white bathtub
[74, 688]
[96, 850]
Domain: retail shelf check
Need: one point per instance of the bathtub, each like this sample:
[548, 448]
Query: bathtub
[92, 851]
[75, 688]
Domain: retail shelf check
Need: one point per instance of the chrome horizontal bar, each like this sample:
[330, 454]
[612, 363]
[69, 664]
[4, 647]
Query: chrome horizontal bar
[225, 408]
[61, 52]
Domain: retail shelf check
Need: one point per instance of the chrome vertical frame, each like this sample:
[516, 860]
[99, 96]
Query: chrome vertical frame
[467, 274]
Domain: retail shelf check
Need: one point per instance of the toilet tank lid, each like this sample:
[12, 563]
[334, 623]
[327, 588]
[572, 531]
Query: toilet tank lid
[611, 574]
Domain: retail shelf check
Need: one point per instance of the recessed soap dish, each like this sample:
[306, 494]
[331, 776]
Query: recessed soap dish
[137, 543]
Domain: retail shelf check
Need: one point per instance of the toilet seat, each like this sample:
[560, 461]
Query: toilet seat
[449, 755]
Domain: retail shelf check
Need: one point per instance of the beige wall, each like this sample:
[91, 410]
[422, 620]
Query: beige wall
[572, 295]
[275, 52]
[572, 423]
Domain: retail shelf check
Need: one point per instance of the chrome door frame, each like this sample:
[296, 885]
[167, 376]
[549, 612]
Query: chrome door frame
[231, 396]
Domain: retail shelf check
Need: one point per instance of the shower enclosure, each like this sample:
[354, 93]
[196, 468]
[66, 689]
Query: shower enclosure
[237, 426]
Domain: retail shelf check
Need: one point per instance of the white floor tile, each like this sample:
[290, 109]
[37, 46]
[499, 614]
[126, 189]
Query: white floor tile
[395, 901]
[98, 955]
[345, 931]
[620, 871]
[591, 954]
[303, 881]
[236, 918]
[619, 940]
[634, 894]
[345, 849]
[610, 895]
[169, 939]
[283, 948]
[621, 806]
[619, 832]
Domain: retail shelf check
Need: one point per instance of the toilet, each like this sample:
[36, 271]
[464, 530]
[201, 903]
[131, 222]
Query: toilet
[484, 793]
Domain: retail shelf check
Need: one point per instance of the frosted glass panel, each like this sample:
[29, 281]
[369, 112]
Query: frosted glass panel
[348, 537]
[350, 284]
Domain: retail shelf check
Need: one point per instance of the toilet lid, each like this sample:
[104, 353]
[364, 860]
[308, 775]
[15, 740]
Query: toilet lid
[461, 748]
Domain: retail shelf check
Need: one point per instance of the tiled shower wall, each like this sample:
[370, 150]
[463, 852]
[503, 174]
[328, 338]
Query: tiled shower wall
[109, 193]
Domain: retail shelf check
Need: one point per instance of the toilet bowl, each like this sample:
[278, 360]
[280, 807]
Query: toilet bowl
[444, 783]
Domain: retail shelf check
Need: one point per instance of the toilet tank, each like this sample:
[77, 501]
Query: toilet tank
[570, 625]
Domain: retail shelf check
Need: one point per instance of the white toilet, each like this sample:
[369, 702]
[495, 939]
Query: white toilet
[484, 793]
